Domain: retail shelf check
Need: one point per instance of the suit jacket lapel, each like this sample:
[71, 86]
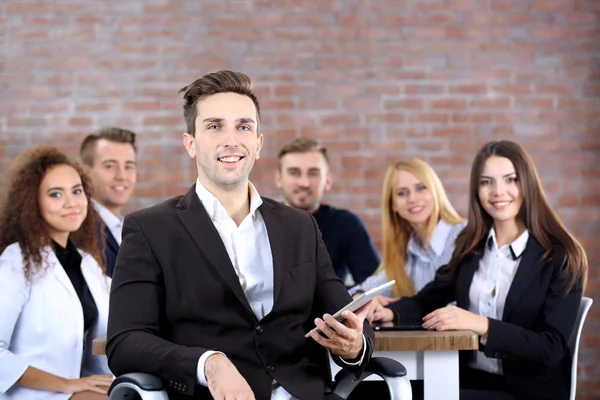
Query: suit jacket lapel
[197, 222]
[110, 240]
[274, 223]
[530, 265]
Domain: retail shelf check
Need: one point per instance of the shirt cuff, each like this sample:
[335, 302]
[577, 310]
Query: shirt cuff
[362, 357]
[200, 371]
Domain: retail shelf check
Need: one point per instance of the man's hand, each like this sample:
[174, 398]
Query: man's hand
[344, 340]
[455, 318]
[224, 380]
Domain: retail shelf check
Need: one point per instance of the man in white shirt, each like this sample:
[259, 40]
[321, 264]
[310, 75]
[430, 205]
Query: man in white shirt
[220, 284]
[109, 159]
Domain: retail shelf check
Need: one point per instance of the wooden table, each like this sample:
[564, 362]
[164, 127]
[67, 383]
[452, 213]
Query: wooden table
[431, 356]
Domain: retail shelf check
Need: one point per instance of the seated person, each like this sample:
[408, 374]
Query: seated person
[109, 160]
[53, 290]
[517, 276]
[221, 284]
[419, 229]
[304, 177]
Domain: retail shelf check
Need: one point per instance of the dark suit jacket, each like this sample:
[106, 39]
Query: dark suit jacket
[175, 295]
[531, 340]
[109, 248]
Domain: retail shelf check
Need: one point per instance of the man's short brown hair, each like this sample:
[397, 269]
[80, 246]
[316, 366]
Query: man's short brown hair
[111, 134]
[302, 145]
[214, 83]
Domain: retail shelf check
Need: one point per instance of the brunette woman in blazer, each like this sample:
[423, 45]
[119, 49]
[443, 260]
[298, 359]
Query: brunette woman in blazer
[53, 295]
[517, 276]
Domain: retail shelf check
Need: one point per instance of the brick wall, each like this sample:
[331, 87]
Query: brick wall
[376, 80]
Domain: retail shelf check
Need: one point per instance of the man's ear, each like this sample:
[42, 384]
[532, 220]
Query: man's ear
[189, 143]
[278, 178]
[259, 145]
[328, 181]
[86, 168]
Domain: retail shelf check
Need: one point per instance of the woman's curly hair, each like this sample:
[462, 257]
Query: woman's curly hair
[20, 217]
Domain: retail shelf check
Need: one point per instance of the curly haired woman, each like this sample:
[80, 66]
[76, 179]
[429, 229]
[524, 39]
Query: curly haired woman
[53, 295]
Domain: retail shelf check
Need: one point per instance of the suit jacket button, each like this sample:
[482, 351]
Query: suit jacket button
[184, 388]
[259, 329]
[270, 368]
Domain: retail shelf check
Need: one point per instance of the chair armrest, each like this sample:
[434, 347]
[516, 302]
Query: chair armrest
[144, 381]
[393, 372]
[385, 366]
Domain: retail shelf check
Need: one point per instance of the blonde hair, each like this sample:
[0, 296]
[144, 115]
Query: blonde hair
[396, 231]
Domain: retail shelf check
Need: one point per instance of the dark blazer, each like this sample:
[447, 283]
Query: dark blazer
[109, 248]
[531, 340]
[175, 295]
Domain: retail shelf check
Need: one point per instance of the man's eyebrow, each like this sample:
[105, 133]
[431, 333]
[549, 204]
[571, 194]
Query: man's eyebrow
[239, 120]
[212, 119]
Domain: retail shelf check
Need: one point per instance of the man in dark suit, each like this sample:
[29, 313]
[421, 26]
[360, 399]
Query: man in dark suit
[109, 159]
[214, 290]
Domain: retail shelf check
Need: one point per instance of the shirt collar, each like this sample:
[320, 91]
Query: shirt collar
[517, 247]
[213, 206]
[110, 219]
[438, 239]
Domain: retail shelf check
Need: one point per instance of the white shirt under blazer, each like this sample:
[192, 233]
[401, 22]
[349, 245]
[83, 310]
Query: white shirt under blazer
[41, 323]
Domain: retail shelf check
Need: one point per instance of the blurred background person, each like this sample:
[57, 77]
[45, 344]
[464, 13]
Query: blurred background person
[53, 289]
[303, 177]
[419, 229]
[109, 159]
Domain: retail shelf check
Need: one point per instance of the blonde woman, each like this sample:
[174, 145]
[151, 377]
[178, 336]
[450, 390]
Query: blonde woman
[419, 229]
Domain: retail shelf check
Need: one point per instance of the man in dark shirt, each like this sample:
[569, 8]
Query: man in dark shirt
[304, 177]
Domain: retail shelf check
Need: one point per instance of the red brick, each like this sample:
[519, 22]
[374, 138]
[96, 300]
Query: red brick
[424, 89]
[428, 117]
[553, 5]
[339, 119]
[449, 103]
[464, 5]
[494, 102]
[140, 106]
[27, 7]
[468, 89]
[401, 104]
[472, 118]
[394, 118]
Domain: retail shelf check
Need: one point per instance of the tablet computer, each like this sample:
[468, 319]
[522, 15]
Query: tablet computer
[358, 302]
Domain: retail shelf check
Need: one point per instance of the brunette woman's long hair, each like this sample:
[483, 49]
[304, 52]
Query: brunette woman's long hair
[536, 214]
[20, 217]
[396, 230]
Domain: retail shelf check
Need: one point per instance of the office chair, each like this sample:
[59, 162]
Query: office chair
[140, 386]
[584, 306]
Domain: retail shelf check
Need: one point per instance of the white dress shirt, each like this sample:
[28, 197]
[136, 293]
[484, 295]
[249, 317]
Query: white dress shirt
[249, 250]
[113, 222]
[490, 286]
